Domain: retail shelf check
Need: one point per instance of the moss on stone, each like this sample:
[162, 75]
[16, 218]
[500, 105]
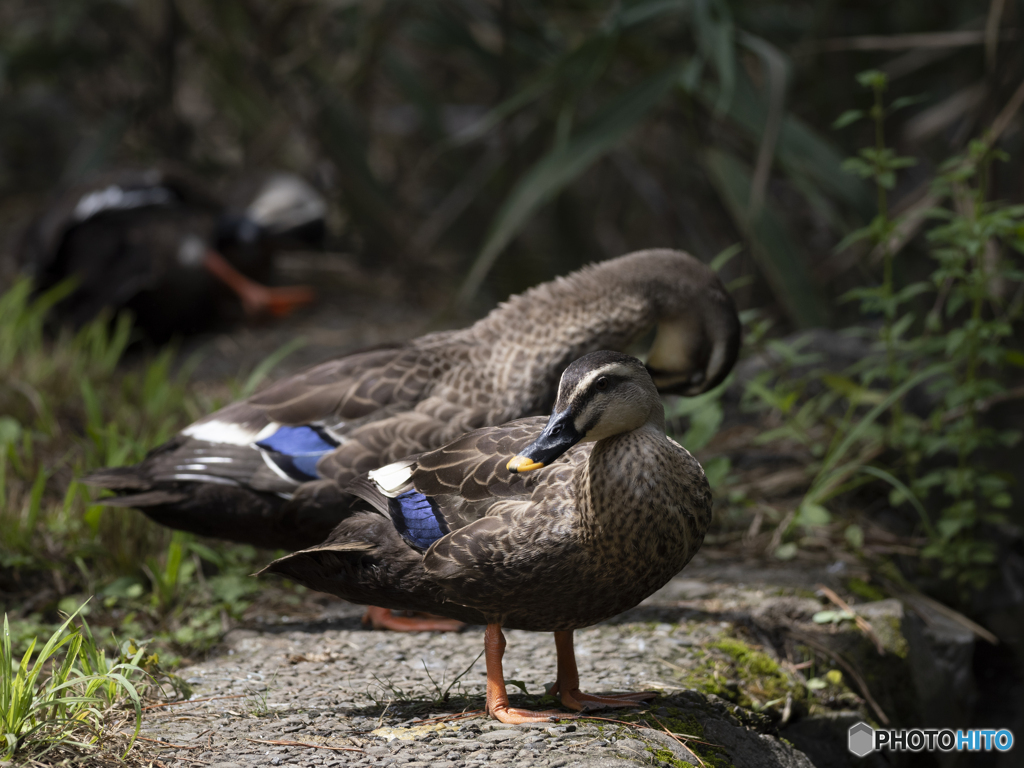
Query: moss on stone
[864, 590]
[684, 724]
[664, 755]
[890, 631]
[752, 679]
[754, 662]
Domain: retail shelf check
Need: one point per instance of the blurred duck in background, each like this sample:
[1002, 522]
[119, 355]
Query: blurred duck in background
[156, 243]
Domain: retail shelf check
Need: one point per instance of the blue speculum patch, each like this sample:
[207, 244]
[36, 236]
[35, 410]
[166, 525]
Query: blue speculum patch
[296, 450]
[417, 519]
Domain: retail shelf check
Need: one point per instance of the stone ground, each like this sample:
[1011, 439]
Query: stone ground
[323, 691]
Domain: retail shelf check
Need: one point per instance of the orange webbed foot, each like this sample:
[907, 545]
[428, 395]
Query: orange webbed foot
[281, 302]
[567, 684]
[516, 716]
[576, 700]
[385, 618]
[257, 299]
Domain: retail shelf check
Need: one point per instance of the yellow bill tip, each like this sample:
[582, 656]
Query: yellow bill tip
[523, 464]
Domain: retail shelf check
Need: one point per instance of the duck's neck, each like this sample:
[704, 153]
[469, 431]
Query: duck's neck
[619, 481]
[549, 326]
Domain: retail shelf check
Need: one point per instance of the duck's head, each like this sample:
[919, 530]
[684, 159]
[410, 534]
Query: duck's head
[286, 203]
[697, 329]
[692, 353]
[601, 394]
[286, 209]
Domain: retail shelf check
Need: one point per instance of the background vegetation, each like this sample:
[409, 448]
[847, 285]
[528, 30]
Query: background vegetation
[448, 131]
[866, 157]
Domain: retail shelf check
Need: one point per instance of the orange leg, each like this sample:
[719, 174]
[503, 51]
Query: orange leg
[497, 697]
[257, 299]
[568, 682]
[384, 618]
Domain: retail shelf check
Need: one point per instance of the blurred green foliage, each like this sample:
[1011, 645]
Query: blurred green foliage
[950, 337]
[454, 131]
[71, 404]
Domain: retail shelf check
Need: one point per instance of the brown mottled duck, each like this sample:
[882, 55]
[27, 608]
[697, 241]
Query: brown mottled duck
[270, 470]
[530, 525]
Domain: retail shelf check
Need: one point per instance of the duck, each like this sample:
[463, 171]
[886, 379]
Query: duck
[542, 524]
[272, 470]
[155, 242]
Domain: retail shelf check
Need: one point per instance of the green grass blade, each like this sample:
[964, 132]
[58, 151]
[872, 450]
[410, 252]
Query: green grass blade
[269, 363]
[778, 74]
[715, 38]
[824, 474]
[900, 486]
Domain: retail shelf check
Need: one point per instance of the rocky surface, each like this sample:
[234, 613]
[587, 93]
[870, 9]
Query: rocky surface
[316, 688]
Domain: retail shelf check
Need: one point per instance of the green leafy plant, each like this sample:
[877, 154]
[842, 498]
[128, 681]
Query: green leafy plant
[59, 696]
[958, 354]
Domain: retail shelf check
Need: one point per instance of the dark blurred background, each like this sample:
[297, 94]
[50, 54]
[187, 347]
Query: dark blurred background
[513, 140]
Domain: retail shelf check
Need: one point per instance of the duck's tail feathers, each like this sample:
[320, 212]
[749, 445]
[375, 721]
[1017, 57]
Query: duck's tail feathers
[225, 491]
[184, 461]
[118, 479]
[366, 561]
[147, 499]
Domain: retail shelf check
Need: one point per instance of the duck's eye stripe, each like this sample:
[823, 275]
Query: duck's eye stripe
[592, 390]
[417, 518]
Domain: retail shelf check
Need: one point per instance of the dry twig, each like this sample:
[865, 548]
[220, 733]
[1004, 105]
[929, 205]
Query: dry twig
[863, 624]
[804, 637]
[306, 744]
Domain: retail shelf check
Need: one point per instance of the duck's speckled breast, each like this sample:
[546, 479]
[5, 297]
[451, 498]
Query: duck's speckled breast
[642, 512]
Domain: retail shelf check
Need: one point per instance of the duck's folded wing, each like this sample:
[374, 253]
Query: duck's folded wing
[351, 388]
[473, 467]
[429, 495]
[327, 423]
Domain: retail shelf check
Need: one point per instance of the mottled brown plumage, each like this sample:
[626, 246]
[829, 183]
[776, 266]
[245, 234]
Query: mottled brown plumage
[605, 524]
[388, 403]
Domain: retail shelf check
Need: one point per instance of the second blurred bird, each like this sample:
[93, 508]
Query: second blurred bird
[158, 244]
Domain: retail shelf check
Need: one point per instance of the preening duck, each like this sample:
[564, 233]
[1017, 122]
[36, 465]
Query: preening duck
[271, 470]
[539, 524]
[158, 244]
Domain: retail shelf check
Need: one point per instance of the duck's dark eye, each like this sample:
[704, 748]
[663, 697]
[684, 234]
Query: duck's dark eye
[555, 429]
[601, 384]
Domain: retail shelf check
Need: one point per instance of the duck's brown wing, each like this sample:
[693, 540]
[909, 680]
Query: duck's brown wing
[473, 466]
[352, 388]
[467, 479]
[398, 433]
[469, 521]
[498, 539]
[214, 465]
